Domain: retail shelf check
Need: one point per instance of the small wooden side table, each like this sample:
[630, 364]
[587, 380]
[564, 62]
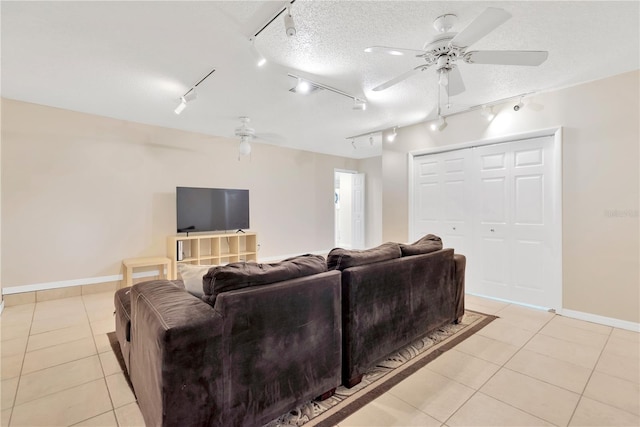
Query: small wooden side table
[130, 263]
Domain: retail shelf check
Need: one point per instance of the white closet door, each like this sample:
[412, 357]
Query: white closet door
[513, 226]
[442, 191]
[494, 204]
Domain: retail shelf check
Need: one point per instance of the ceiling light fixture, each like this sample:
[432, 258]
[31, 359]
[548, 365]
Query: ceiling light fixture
[443, 79]
[259, 57]
[244, 149]
[370, 139]
[439, 124]
[306, 86]
[392, 136]
[359, 104]
[353, 143]
[518, 106]
[190, 95]
[487, 113]
[289, 25]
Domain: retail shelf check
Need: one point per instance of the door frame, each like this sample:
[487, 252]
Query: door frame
[556, 133]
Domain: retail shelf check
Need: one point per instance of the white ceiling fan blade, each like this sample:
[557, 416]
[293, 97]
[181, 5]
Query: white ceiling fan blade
[395, 51]
[398, 79]
[486, 22]
[507, 57]
[456, 85]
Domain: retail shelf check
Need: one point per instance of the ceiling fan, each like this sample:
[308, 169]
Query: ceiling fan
[448, 47]
[246, 134]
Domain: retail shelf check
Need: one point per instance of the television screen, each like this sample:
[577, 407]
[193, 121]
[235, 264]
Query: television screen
[211, 209]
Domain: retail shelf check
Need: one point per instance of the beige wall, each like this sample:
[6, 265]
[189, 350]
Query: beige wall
[82, 192]
[601, 256]
[372, 167]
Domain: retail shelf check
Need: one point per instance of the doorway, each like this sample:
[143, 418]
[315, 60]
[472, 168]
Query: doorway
[348, 199]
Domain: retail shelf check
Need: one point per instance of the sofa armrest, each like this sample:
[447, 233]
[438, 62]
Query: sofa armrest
[176, 355]
[460, 263]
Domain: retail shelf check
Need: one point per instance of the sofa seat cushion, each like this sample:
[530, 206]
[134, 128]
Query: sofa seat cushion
[241, 275]
[427, 244]
[339, 258]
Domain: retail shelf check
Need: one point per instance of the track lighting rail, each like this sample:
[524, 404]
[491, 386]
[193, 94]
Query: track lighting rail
[329, 88]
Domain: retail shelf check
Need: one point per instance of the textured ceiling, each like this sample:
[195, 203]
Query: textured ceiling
[133, 60]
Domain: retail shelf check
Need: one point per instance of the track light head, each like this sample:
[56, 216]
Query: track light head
[180, 108]
[487, 113]
[359, 104]
[370, 139]
[353, 143]
[289, 25]
[392, 136]
[518, 106]
[439, 124]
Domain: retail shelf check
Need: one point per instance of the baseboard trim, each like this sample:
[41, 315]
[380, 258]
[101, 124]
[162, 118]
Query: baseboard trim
[74, 282]
[594, 318]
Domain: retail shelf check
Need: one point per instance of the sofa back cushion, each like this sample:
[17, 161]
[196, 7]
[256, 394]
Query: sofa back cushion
[241, 275]
[425, 245]
[339, 259]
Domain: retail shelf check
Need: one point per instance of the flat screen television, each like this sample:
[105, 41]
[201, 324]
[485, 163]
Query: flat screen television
[211, 209]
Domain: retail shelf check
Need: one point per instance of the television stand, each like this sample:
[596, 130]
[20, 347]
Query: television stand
[212, 249]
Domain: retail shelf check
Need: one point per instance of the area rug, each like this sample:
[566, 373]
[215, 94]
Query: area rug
[375, 382]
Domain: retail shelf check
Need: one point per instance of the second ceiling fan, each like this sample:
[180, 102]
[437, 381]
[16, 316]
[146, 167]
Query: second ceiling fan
[448, 47]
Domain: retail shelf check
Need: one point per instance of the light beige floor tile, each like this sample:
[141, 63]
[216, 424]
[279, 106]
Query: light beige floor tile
[110, 364]
[626, 335]
[502, 330]
[551, 370]
[388, 410]
[627, 368]
[464, 369]
[102, 343]
[14, 330]
[581, 324]
[79, 403]
[129, 416]
[622, 347]
[575, 335]
[614, 391]
[432, 393]
[582, 355]
[8, 392]
[486, 305]
[14, 347]
[58, 354]
[18, 314]
[119, 390]
[543, 400]
[58, 336]
[57, 378]
[54, 308]
[24, 298]
[524, 317]
[59, 293]
[487, 349]
[6, 414]
[483, 410]
[104, 326]
[593, 413]
[11, 366]
[108, 419]
[63, 321]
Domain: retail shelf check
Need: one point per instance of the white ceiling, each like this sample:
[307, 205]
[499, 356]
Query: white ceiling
[133, 60]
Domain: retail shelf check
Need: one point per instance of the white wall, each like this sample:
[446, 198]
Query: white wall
[82, 192]
[601, 251]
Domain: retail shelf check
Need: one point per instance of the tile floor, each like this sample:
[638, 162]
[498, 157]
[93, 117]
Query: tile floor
[528, 368]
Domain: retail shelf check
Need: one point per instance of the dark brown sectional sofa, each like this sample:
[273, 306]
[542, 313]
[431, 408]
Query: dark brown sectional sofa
[272, 336]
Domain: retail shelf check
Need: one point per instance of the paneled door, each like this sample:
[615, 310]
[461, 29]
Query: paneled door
[494, 204]
[513, 225]
[442, 191]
